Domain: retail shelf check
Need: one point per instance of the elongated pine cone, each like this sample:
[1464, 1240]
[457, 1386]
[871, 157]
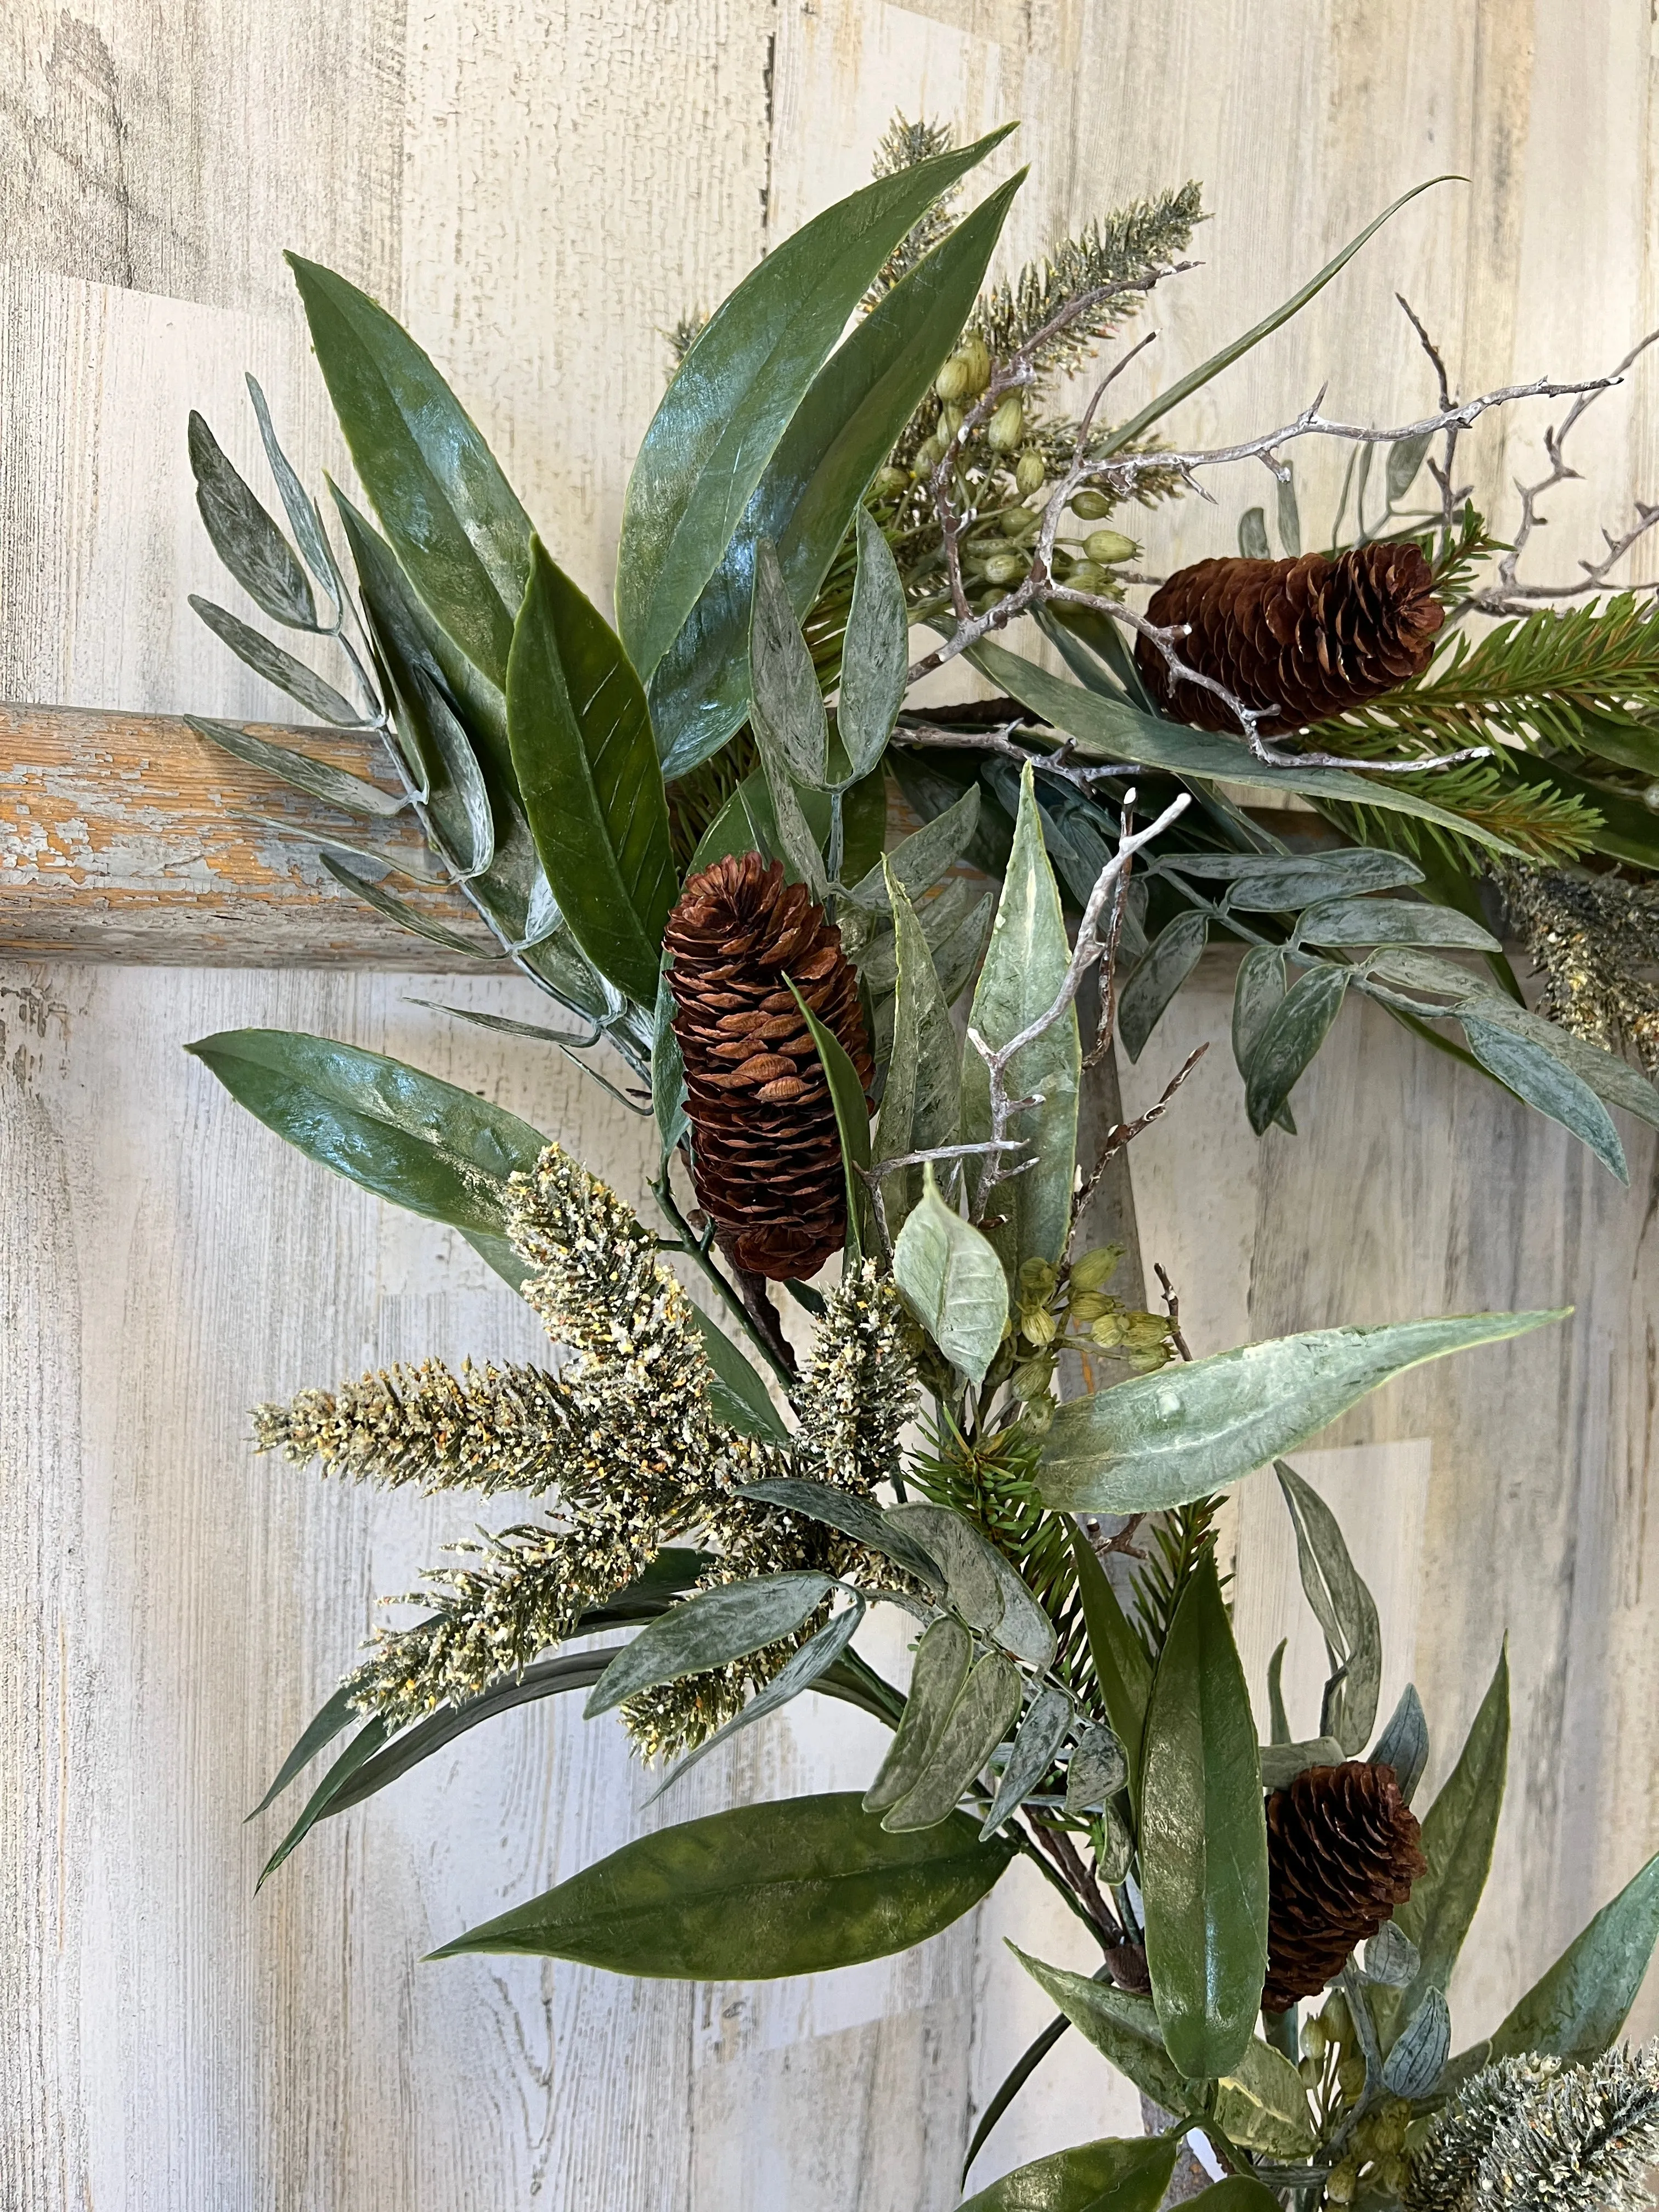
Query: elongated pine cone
[1342, 1852]
[1297, 640]
[765, 1154]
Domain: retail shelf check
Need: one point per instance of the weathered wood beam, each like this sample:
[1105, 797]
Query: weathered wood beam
[128, 837]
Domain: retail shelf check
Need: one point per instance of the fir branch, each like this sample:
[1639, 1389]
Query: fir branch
[1176, 1541]
[1547, 826]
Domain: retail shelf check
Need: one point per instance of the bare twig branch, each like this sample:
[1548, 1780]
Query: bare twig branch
[1125, 1132]
[1172, 1307]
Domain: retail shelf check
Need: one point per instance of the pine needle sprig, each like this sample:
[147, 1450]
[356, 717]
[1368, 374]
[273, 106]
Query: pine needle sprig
[1548, 826]
[1532, 2134]
[1174, 1543]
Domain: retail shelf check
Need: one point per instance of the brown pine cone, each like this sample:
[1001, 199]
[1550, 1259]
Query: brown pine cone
[1342, 1852]
[1298, 640]
[765, 1154]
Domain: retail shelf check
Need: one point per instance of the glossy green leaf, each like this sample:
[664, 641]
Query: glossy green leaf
[415, 920]
[789, 718]
[1236, 2192]
[1393, 921]
[1282, 1762]
[921, 1105]
[1265, 885]
[1024, 971]
[333, 786]
[244, 536]
[1291, 1037]
[1418, 2057]
[1458, 1833]
[1262, 2105]
[1203, 1839]
[1098, 1769]
[807, 1667]
[837, 438]
[454, 521]
[852, 1120]
[708, 1631]
[1404, 1743]
[918, 861]
[1121, 2024]
[876, 653]
[303, 518]
[857, 1517]
[587, 770]
[1107, 729]
[1525, 1067]
[944, 1654]
[1345, 1610]
[1121, 1667]
[1162, 1439]
[736, 1393]
[1257, 992]
[1040, 1735]
[981, 1717]
[277, 665]
[1169, 960]
[984, 1589]
[739, 386]
[952, 1281]
[427, 1145]
[1096, 2177]
[1577, 2008]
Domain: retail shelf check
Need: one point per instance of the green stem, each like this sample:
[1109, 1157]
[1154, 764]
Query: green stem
[696, 1248]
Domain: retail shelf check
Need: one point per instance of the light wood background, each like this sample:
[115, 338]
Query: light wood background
[540, 190]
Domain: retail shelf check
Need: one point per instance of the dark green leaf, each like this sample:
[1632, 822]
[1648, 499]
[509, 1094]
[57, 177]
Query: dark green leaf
[736, 1393]
[1119, 1659]
[755, 1892]
[1393, 921]
[1344, 1608]
[984, 1589]
[1265, 886]
[587, 769]
[244, 536]
[983, 1716]
[789, 716]
[943, 1654]
[1418, 2057]
[329, 1722]
[861, 1518]
[333, 786]
[709, 1631]
[952, 1281]
[1203, 1839]
[1163, 1439]
[1097, 2177]
[303, 518]
[1019, 2075]
[1169, 961]
[1404, 1743]
[839, 436]
[452, 518]
[876, 653]
[425, 1145]
[279, 667]
[808, 1665]
[413, 919]
[1523, 1065]
[852, 1119]
[1253, 535]
[668, 1092]
[1040, 1734]
[1579, 2006]
[1237, 2192]
[1121, 2024]
[1278, 1724]
[740, 385]
[1289, 1037]
[363, 1746]
[1256, 995]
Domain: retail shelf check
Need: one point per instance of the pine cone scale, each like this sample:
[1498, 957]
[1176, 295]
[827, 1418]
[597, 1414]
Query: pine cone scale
[1343, 1852]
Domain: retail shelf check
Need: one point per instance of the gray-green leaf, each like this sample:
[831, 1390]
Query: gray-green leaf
[710, 1630]
[1404, 1743]
[1393, 921]
[952, 1281]
[1265, 886]
[921, 1105]
[1344, 1608]
[919, 861]
[244, 536]
[815, 1658]
[334, 786]
[277, 666]
[1040, 1734]
[944, 1654]
[983, 1587]
[1289, 1037]
[788, 707]
[1579, 2006]
[861, 1518]
[1282, 1762]
[985, 1709]
[1121, 2024]
[1523, 1065]
[876, 653]
[1167, 962]
[1256, 995]
[1096, 1772]
[1418, 2057]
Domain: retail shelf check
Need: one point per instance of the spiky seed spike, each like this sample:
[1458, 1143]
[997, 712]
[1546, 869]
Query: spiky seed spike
[1342, 1853]
[1297, 641]
[766, 1155]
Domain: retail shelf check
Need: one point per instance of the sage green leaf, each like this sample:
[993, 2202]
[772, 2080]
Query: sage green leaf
[1261, 2104]
[1108, 729]
[1418, 2057]
[952, 1281]
[785, 826]
[852, 1121]
[957, 960]
[413, 919]
[587, 770]
[1344, 1608]
[1021, 978]
[753, 1894]
[1612, 1079]
[1393, 921]
[1196, 379]
[279, 667]
[1203, 1839]
[789, 716]
[471, 839]
[1289, 1037]
[943, 1654]
[985, 1590]
[1579, 2006]
[454, 522]
[1282, 1762]
[708, 1631]
[303, 518]
[814, 1659]
[738, 389]
[736, 1393]
[1256, 994]
[1121, 1667]
[425, 1145]
[1163, 1439]
[983, 1715]
[921, 1105]
[837, 438]
[668, 1092]
[1391, 1959]
[244, 536]
[1253, 535]
[876, 653]
[918, 861]
[1406, 457]
[1536, 1075]
[1458, 1833]
[1404, 1743]
[1266, 886]
[334, 786]
[1040, 1735]
[1279, 1726]
[1121, 2024]
[1096, 1771]
[1107, 2176]
[861, 1518]
[1169, 960]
